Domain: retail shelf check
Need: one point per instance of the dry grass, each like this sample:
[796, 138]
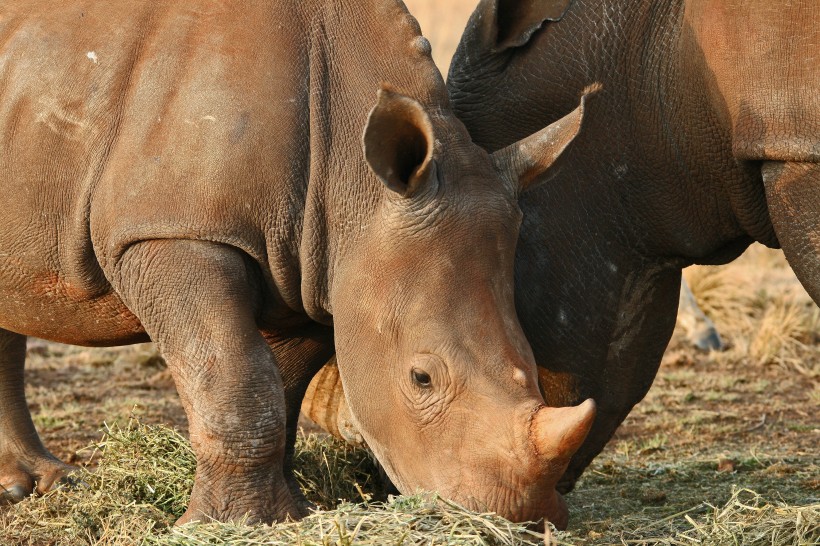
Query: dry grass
[745, 519]
[143, 480]
[761, 310]
[760, 501]
[750, 520]
[144, 475]
[417, 520]
[141, 485]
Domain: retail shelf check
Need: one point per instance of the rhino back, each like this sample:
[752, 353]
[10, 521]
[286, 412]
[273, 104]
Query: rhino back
[226, 121]
[763, 64]
[130, 121]
[660, 141]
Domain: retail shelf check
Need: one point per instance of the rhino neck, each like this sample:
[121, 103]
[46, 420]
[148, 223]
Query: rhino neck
[355, 46]
[688, 195]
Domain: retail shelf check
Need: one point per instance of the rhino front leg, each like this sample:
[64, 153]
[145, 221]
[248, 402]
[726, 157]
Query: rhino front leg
[197, 302]
[26, 465]
[299, 354]
[793, 195]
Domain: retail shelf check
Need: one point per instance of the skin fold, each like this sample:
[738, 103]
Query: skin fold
[251, 187]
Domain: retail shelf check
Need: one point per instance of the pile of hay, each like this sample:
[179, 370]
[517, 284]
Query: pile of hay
[144, 475]
[746, 519]
[417, 520]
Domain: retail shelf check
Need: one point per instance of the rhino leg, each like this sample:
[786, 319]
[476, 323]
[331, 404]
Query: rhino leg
[793, 195]
[26, 466]
[700, 330]
[197, 301]
[299, 354]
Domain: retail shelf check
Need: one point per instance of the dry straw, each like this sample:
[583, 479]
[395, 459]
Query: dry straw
[144, 474]
[746, 519]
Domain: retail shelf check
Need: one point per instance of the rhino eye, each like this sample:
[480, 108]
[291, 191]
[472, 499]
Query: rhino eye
[421, 378]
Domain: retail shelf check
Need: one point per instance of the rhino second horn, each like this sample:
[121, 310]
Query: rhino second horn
[559, 432]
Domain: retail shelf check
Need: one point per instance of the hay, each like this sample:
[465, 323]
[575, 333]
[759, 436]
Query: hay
[142, 482]
[746, 519]
[331, 471]
[144, 475]
[416, 520]
[761, 310]
[143, 479]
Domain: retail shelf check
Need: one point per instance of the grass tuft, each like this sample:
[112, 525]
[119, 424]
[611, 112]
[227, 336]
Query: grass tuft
[143, 478]
[747, 519]
[761, 311]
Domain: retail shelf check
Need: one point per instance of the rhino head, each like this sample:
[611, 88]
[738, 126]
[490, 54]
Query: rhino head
[440, 380]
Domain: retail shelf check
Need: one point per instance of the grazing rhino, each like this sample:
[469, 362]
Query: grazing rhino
[706, 138]
[194, 172]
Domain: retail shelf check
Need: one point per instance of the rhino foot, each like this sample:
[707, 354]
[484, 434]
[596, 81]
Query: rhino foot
[20, 477]
[13, 494]
[707, 340]
[250, 509]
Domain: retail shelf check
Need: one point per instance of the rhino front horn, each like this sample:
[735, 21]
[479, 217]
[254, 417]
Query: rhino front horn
[559, 432]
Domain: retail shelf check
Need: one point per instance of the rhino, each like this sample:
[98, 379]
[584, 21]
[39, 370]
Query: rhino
[706, 139]
[215, 177]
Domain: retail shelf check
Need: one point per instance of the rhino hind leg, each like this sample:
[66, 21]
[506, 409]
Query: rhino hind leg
[198, 303]
[26, 466]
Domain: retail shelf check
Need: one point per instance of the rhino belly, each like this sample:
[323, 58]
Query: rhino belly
[47, 308]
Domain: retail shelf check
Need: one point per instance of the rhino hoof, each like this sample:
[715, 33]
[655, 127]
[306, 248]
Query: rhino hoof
[709, 340]
[13, 494]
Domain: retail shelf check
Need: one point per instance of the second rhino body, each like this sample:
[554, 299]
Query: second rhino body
[707, 139]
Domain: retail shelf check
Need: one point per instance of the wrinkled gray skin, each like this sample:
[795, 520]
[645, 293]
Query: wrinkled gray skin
[215, 176]
[707, 138]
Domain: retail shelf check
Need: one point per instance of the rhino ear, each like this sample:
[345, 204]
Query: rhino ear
[511, 23]
[529, 159]
[398, 142]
